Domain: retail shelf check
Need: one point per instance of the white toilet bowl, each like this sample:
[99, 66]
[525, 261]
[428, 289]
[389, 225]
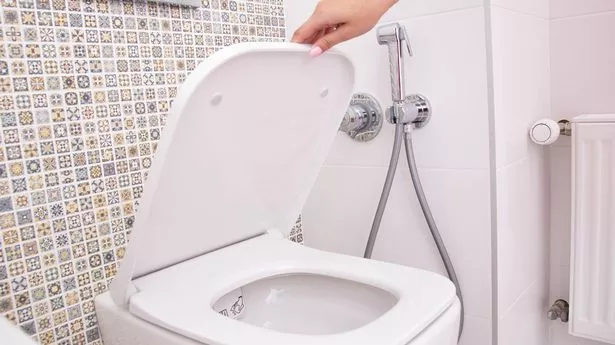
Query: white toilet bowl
[284, 293]
[12, 334]
[206, 265]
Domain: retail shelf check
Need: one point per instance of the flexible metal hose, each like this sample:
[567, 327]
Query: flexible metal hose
[388, 183]
[405, 132]
[431, 222]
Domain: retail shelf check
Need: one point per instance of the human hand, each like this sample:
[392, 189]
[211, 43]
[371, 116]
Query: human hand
[336, 21]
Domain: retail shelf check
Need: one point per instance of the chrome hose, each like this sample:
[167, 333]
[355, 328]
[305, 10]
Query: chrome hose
[431, 222]
[405, 131]
[373, 234]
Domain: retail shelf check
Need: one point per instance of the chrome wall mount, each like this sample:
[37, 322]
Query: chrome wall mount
[559, 310]
[363, 119]
[414, 109]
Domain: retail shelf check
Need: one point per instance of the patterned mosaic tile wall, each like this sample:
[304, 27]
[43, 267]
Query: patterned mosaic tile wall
[85, 87]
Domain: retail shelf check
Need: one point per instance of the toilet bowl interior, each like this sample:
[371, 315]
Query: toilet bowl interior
[308, 304]
[283, 293]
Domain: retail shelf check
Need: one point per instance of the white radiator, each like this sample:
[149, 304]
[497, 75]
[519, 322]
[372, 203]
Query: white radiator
[592, 313]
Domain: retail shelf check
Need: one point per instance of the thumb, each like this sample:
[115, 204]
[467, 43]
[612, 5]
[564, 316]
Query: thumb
[331, 39]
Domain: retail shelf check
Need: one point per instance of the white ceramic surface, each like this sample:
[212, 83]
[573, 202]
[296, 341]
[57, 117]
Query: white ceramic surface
[255, 167]
[13, 335]
[400, 302]
[583, 77]
[575, 8]
[520, 31]
[178, 298]
[254, 173]
[119, 327]
[319, 305]
[521, 81]
[535, 8]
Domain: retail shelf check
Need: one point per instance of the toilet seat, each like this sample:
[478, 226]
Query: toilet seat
[180, 301]
[244, 142]
[240, 152]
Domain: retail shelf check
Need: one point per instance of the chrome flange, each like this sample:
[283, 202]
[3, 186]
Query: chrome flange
[363, 119]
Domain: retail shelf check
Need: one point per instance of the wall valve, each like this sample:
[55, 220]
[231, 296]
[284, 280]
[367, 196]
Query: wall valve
[559, 310]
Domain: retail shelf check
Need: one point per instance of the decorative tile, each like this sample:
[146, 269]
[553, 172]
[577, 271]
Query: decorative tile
[85, 87]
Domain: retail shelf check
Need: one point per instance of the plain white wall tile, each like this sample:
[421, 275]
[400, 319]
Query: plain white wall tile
[560, 162]
[559, 336]
[521, 95]
[476, 331]
[559, 279]
[339, 212]
[569, 8]
[405, 9]
[523, 228]
[537, 8]
[526, 323]
[449, 67]
[521, 81]
[298, 11]
[583, 72]
[459, 201]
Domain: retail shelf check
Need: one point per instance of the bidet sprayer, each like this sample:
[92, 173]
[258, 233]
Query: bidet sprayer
[394, 36]
[413, 109]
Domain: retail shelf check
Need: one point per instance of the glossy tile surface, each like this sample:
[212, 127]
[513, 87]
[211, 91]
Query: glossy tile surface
[85, 87]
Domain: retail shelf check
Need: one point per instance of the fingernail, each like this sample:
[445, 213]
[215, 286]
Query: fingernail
[315, 51]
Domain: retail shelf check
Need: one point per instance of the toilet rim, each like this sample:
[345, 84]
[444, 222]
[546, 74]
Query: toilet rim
[243, 276]
[181, 310]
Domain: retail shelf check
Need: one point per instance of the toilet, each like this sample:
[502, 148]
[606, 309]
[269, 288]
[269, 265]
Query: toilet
[209, 261]
[12, 334]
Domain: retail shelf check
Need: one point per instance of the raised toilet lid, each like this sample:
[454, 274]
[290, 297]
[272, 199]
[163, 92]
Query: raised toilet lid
[243, 145]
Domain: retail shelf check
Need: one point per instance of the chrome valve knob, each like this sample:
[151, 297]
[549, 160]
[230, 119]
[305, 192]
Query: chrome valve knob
[363, 119]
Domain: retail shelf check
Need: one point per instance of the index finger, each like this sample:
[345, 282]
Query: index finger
[308, 30]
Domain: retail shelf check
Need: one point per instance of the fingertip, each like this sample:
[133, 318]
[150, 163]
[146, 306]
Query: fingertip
[316, 51]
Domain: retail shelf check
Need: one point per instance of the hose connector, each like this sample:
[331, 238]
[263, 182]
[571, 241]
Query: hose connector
[414, 109]
[408, 128]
